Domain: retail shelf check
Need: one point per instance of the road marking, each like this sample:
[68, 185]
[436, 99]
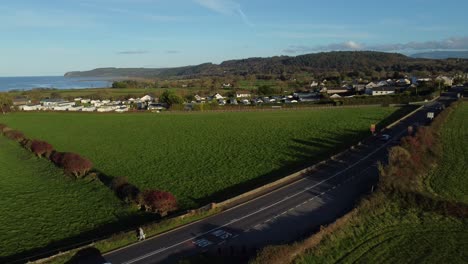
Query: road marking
[262, 209]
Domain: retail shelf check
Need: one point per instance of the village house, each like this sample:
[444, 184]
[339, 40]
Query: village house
[447, 81]
[21, 101]
[30, 107]
[217, 96]
[384, 90]
[50, 103]
[243, 94]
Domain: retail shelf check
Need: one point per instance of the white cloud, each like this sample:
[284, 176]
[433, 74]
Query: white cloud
[225, 7]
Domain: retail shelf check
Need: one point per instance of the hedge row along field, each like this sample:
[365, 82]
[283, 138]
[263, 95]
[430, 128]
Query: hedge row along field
[39, 205]
[204, 156]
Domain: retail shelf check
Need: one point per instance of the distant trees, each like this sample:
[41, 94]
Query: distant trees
[170, 98]
[159, 202]
[5, 102]
[41, 148]
[265, 90]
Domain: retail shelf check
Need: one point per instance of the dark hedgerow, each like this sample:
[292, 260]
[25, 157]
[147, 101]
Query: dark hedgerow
[124, 190]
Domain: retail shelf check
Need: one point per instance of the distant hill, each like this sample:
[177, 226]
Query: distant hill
[318, 63]
[442, 55]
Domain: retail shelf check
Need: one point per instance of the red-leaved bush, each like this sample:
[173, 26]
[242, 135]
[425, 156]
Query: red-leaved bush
[74, 164]
[15, 135]
[160, 202]
[41, 148]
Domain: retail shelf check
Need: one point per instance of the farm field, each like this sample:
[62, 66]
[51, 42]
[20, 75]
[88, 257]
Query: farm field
[201, 157]
[450, 179]
[398, 233]
[39, 205]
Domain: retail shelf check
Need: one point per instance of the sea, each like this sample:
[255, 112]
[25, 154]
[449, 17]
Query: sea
[56, 82]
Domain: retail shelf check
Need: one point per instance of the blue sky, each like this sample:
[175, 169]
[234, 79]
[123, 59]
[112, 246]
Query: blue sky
[50, 37]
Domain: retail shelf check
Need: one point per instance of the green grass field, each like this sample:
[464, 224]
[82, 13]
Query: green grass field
[201, 156]
[395, 233]
[39, 205]
[450, 179]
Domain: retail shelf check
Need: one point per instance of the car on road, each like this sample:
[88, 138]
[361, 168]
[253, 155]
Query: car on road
[385, 137]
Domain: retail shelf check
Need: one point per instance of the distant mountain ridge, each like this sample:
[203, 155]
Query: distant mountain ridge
[440, 55]
[338, 61]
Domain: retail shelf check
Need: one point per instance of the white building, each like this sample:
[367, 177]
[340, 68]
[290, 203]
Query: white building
[243, 94]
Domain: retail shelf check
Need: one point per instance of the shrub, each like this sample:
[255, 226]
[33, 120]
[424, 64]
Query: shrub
[124, 190]
[129, 193]
[159, 201]
[76, 165]
[57, 158]
[41, 148]
[15, 135]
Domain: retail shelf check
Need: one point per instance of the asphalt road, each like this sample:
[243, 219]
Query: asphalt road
[284, 215]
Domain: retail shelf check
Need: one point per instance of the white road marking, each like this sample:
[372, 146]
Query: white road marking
[262, 209]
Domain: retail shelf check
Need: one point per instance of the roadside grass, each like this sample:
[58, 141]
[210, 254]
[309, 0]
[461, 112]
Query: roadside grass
[394, 233]
[203, 157]
[450, 178]
[40, 206]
